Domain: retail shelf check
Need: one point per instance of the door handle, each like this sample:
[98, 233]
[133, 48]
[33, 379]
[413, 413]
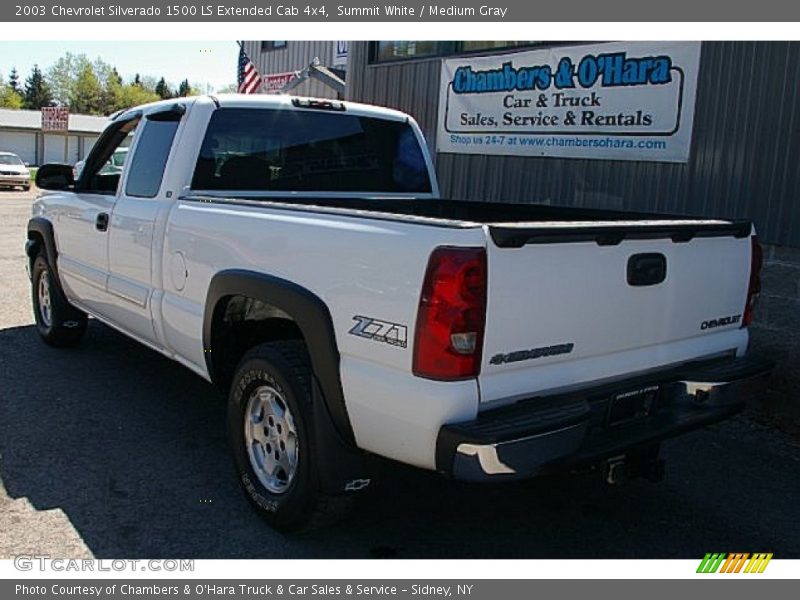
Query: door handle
[101, 224]
[647, 269]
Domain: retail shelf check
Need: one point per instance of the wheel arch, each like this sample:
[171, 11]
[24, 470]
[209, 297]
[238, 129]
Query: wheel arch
[304, 308]
[42, 238]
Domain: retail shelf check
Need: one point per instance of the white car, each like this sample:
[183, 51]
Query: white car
[113, 165]
[14, 172]
[296, 253]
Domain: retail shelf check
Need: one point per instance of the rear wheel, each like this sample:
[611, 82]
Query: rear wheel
[270, 433]
[58, 323]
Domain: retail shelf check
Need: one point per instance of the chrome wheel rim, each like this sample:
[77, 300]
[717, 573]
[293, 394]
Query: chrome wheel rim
[45, 307]
[271, 438]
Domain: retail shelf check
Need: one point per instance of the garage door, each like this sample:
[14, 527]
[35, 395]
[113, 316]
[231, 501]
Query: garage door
[22, 144]
[54, 149]
[88, 144]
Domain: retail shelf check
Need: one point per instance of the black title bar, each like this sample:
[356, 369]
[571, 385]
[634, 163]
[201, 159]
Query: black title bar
[400, 11]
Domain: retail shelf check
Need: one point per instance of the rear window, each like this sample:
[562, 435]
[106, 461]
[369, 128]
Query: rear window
[305, 151]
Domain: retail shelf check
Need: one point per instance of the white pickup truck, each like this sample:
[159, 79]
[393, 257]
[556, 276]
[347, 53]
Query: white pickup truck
[296, 253]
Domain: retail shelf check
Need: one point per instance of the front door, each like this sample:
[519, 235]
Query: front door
[133, 221]
[82, 231]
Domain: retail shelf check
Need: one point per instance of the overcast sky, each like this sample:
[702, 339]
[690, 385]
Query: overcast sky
[200, 62]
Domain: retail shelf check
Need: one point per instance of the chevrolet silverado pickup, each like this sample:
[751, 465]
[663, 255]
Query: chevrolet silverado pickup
[295, 252]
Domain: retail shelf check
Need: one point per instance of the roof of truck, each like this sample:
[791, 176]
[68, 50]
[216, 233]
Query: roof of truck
[277, 101]
[296, 102]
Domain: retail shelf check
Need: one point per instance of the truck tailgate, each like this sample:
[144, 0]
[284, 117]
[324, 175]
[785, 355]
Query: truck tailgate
[570, 303]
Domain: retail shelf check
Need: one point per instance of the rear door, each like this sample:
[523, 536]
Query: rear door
[568, 307]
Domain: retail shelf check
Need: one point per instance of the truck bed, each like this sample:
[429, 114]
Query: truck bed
[510, 225]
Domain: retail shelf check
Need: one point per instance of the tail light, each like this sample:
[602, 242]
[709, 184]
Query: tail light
[754, 287]
[451, 315]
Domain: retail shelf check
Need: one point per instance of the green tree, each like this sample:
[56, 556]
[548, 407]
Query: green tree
[137, 80]
[148, 82]
[13, 80]
[9, 98]
[112, 88]
[62, 74]
[185, 89]
[132, 95]
[231, 88]
[86, 96]
[37, 91]
[162, 89]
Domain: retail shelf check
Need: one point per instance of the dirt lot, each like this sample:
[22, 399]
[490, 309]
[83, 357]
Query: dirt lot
[110, 450]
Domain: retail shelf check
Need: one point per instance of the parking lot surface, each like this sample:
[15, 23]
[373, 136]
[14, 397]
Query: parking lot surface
[111, 450]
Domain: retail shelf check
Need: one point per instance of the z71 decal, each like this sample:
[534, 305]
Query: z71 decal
[380, 331]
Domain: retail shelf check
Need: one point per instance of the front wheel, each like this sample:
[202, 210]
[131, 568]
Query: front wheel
[58, 323]
[270, 433]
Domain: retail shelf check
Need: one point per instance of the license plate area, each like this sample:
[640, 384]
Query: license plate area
[631, 405]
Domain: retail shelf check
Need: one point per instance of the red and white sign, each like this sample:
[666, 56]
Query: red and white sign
[55, 118]
[275, 81]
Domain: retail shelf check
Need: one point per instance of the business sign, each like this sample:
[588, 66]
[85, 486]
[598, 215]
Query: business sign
[55, 118]
[622, 101]
[340, 54]
[274, 82]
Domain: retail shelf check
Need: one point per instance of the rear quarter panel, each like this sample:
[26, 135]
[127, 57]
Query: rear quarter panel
[357, 267]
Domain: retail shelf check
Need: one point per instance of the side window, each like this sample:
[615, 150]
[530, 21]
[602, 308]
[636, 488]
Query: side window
[147, 164]
[101, 172]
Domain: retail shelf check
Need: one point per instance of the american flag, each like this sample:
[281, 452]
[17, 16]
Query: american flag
[249, 79]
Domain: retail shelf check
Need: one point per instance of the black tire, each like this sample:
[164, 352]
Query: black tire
[26, 188]
[62, 325]
[285, 367]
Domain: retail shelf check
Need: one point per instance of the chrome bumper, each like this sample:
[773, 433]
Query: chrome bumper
[542, 434]
[13, 180]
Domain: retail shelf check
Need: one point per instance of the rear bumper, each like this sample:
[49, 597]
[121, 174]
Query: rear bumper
[543, 434]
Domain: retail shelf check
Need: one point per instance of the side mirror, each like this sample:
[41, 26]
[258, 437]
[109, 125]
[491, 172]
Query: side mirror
[27, 164]
[54, 177]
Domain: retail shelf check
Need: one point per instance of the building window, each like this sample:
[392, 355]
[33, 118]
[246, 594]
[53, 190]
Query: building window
[384, 51]
[267, 46]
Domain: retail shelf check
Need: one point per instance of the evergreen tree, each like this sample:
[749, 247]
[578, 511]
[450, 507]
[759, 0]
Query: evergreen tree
[114, 76]
[185, 89]
[162, 89]
[137, 80]
[112, 90]
[37, 92]
[13, 80]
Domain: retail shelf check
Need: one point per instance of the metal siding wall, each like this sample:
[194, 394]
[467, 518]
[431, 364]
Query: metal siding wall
[296, 56]
[745, 156]
[21, 143]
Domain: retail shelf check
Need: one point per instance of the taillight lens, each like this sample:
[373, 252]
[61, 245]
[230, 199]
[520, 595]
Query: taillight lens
[451, 315]
[754, 287]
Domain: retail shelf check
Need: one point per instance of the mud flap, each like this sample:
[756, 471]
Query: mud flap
[343, 468]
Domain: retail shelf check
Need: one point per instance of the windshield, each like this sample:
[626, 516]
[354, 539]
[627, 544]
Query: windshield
[291, 150]
[10, 159]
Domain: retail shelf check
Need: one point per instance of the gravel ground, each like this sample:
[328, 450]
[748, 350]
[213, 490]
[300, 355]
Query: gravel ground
[110, 450]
